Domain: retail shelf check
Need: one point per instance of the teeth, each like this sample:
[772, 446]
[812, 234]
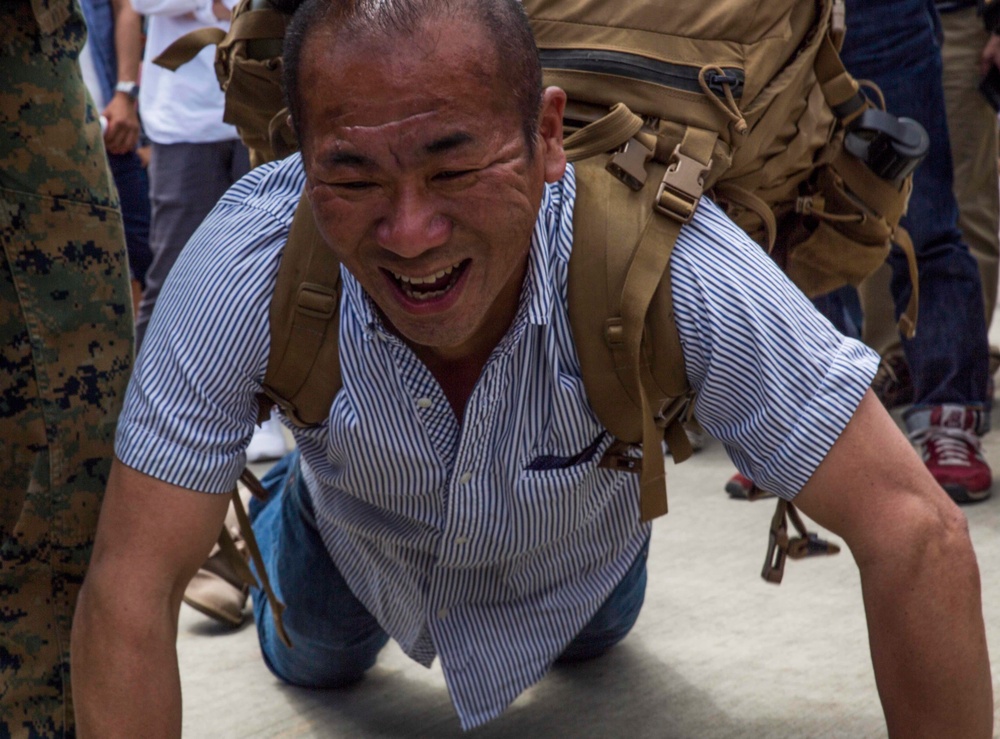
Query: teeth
[427, 295]
[425, 280]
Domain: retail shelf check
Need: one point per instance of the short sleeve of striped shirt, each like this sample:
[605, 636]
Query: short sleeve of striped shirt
[776, 382]
[191, 403]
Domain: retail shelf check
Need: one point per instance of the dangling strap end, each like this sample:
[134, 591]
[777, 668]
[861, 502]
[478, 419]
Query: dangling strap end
[906, 327]
[653, 496]
[653, 478]
[277, 607]
[777, 545]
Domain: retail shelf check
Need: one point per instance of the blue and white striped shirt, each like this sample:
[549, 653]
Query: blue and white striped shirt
[447, 534]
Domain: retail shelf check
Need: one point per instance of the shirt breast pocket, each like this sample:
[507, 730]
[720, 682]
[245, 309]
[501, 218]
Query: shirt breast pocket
[558, 493]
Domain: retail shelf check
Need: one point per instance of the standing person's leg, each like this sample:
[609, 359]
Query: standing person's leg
[133, 191]
[185, 183]
[972, 124]
[879, 327]
[895, 44]
[334, 637]
[239, 160]
[65, 355]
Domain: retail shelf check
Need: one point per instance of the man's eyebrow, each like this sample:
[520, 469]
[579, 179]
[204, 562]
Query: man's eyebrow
[347, 159]
[447, 143]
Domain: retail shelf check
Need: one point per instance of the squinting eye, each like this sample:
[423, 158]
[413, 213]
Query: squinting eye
[359, 185]
[452, 174]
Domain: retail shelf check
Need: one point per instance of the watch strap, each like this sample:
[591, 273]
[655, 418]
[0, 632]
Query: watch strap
[129, 88]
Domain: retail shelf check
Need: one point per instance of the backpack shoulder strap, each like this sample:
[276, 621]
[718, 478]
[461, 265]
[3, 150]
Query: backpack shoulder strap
[303, 366]
[621, 310]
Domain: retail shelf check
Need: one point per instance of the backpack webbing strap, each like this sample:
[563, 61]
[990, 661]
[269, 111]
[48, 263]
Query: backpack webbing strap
[840, 89]
[742, 197]
[676, 201]
[277, 607]
[303, 366]
[187, 47]
[604, 134]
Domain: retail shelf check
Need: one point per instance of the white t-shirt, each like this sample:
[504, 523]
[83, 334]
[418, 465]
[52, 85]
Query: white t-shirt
[184, 106]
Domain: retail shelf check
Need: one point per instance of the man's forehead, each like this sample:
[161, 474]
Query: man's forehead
[442, 51]
[353, 148]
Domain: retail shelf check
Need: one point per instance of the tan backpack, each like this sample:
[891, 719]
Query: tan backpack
[745, 100]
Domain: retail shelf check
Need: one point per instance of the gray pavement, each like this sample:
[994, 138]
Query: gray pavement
[716, 653]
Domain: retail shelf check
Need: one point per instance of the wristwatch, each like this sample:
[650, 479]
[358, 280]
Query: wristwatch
[129, 88]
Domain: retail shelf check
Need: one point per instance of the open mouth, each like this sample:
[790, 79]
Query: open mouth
[432, 286]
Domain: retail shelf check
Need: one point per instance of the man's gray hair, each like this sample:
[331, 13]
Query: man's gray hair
[505, 23]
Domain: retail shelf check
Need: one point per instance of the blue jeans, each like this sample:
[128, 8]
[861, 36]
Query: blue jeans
[896, 43]
[133, 192]
[335, 638]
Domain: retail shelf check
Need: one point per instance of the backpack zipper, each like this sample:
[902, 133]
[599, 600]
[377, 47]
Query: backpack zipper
[676, 76]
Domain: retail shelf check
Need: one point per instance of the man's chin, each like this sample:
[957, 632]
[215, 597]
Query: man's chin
[438, 339]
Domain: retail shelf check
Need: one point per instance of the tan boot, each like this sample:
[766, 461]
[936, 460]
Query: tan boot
[217, 589]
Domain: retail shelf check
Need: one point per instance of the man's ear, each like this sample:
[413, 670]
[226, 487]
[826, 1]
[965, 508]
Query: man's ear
[550, 133]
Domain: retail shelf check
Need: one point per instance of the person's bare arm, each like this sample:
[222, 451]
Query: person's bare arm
[151, 539]
[990, 56]
[919, 578]
[123, 118]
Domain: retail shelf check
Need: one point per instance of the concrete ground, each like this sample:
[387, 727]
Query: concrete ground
[716, 653]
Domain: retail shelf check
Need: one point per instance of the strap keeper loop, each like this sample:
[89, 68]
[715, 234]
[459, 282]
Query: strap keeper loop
[614, 331]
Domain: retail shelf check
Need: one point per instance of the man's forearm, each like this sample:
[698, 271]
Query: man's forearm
[151, 539]
[126, 681]
[928, 641]
[128, 40]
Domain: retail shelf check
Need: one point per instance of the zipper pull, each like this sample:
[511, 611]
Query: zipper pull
[707, 76]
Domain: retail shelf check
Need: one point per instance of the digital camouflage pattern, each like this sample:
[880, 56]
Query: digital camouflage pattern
[65, 353]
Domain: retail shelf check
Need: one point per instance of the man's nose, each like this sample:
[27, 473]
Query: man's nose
[413, 224]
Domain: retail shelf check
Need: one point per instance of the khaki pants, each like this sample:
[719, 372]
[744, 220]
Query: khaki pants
[65, 356]
[972, 131]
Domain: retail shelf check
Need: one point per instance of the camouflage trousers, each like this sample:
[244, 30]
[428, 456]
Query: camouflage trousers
[66, 343]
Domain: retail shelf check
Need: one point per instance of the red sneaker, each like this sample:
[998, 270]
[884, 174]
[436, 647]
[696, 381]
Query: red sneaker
[946, 438]
[743, 488]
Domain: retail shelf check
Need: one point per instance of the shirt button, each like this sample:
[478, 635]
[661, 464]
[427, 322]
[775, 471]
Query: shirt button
[462, 540]
[424, 403]
[466, 476]
[442, 613]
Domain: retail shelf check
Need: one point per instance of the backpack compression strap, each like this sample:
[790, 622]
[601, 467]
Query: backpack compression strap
[303, 366]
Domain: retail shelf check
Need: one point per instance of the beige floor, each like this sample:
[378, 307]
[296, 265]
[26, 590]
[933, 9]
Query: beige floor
[716, 653]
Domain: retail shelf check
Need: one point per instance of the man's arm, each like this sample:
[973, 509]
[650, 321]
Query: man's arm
[123, 118]
[919, 578]
[151, 539]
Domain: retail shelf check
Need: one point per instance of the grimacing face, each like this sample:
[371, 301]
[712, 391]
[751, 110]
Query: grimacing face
[421, 180]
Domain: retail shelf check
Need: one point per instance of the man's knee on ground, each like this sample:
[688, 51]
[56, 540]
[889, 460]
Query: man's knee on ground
[322, 661]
